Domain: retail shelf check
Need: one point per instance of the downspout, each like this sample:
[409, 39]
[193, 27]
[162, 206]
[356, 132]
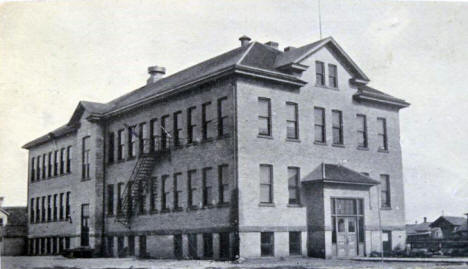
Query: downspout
[104, 157]
[236, 161]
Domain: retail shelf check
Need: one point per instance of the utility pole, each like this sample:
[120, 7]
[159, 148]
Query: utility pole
[320, 19]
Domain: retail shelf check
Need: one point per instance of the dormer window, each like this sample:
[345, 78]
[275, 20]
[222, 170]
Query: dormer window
[332, 76]
[320, 73]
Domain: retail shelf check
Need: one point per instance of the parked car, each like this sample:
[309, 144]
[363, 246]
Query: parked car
[420, 252]
[79, 252]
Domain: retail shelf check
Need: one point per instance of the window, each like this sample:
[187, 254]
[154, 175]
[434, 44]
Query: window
[56, 164]
[38, 209]
[121, 145]
[110, 246]
[337, 127]
[190, 124]
[49, 207]
[44, 166]
[207, 245]
[178, 246]
[33, 170]
[177, 129]
[224, 245]
[85, 159]
[142, 196]
[295, 243]
[382, 133]
[192, 246]
[43, 209]
[177, 190]
[165, 192]
[164, 132]
[293, 185]
[61, 207]
[332, 76]
[131, 245]
[62, 161]
[207, 186]
[38, 168]
[120, 190]
[84, 224]
[192, 189]
[130, 197]
[67, 206]
[142, 137]
[319, 125]
[223, 183]
[267, 243]
[385, 191]
[110, 199]
[266, 183]
[320, 73]
[154, 143]
[69, 158]
[132, 141]
[264, 116]
[153, 193]
[292, 130]
[49, 165]
[31, 210]
[55, 207]
[362, 130]
[205, 120]
[222, 116]
[351, 210]
[110, 155]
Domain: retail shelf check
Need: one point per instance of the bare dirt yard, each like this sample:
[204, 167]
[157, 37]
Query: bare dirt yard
[57, 262]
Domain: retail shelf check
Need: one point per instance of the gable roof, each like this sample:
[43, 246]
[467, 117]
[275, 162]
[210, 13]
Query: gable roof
[455, 221]
[366, 93]
[255, 59]
[420, 228]
[338, 174]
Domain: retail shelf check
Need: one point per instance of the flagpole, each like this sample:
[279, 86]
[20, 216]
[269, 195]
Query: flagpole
[320, 19]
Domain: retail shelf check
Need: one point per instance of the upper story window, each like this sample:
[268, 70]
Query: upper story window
[33, 169]
[362, 130]
[110, 199]
[177, 189]
[292, 126]
[44, 166]
[382, 134]
[165, 192]
[206, 120]
[320, 73]
[132, 141]
[190, 124]
[222, 116]
[38, 168]
[293, 185]
[337, 122]
[56, 162]
[319, 129]
[164, 132]
[332, 76]
[69, 158]
[49, 165]
[153, 134]
[385, 191]
[62, 161]
[110, 156]
[85, 158]
[223, 183]
[266, 183]
[142, 137]
[264, 116]
[192, 200]
[121, 144]
[207, 188]
[177, 129]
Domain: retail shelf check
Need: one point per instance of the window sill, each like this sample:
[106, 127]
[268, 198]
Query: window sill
[206, 140]
[177, 209]
[223, 136]
[85, 179]
[386, 208]
[153, 212]
[110, 215]
[362, 148]
[293, 140]
[209, 206]
[265, 136]
[222, 205]
[324, 86]
[192, 208]
[338, 145]
[382, 150]
[165, 210]
[295, 205]
[131, 158]
[266, 204]
[320, 143]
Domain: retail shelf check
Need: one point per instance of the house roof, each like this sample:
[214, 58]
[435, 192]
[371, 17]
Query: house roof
[462, 228]
[418, 228]
[255, 59]
[366, 93]
[338, 174]
[17, 215]
[453, 220]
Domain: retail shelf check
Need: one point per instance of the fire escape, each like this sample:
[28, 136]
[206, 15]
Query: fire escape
[137, 185]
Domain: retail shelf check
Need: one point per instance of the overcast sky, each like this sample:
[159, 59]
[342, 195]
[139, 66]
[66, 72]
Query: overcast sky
[56, 53]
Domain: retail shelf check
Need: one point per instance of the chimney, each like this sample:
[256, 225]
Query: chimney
[156, 73]
[425, 219]
[1, 201]
[272, 44]
[288, 48]
[244, 40]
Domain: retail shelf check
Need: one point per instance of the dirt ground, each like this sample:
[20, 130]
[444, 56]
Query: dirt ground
[56, 262]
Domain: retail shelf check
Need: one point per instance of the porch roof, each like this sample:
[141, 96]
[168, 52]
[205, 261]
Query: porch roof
[338, 174]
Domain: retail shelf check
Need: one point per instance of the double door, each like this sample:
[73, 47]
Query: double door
[346, 237]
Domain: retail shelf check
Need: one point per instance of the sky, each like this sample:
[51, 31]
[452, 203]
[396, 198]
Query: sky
[55, 53]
